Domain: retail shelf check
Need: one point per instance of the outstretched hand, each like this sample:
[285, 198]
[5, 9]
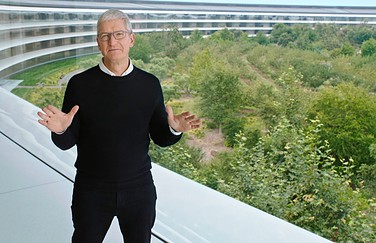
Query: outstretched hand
[56, 120]
[183, 122]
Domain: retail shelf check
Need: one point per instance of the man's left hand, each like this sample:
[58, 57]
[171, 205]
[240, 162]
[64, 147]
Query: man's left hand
[183, 122]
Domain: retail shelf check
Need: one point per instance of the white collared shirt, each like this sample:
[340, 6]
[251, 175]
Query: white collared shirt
[109, 72]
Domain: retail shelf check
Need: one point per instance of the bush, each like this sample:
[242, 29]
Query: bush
[369, 48]
[348, 114]
[291, 175]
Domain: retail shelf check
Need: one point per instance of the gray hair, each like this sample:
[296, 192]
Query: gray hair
[114, 14]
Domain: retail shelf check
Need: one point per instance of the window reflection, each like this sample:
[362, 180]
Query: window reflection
[35, 31]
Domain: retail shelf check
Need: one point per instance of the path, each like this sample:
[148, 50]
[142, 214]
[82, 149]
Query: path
[211, 144]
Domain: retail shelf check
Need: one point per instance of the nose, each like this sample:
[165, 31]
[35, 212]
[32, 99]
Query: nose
[111, 39]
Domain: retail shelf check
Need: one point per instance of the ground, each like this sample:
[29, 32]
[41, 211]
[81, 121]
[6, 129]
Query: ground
[211, 144]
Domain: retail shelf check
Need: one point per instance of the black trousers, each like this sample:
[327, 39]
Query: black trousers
[94, 210]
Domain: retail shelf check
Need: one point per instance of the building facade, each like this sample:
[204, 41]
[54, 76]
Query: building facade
[34, 32]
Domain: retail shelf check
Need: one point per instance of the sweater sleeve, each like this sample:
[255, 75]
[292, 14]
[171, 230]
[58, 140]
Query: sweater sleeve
[69, 138]
[160, 131]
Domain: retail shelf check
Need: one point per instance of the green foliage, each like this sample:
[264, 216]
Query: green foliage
[220, 95]
[196, 36]
[369, 48]
[305, 36]
[169, 42]
[142, 49]
[366, 177]
[360, 34]
[162, 67]
[43, 96]
[174, 41]
[179, 158]
[282, 35]
[182, 82]
[291, 174]
[170, 92]
[157, 40]
[261, 38]
[139, 63]
[231, 127]
[290, 100]
[346, 50]
[222, 35]
[348, 114]
[323, 38]
[294, 99]
[329, 36]
[317, 68]
[202, 64]
[264, 100]
[273, 61]
[251, 127]
[43, 81]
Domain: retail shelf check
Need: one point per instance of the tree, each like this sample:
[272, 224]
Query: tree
[369, 48]
[202, 64]
[195, 36]
[329, 37]
[291, 174]
[162, 67]
[158, 41]
[220, 94]
[293, 99]
[182, 81]
[142, 49]
[261, 38]
[348, 115]
[282, 34]
[223, 35]
[346, 50]
[175, 42]
[360, 34]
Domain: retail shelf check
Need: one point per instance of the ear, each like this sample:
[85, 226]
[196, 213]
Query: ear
[99, 45]
[132, 37]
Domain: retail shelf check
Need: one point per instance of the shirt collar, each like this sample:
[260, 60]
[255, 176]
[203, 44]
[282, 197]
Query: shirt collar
[107, 71]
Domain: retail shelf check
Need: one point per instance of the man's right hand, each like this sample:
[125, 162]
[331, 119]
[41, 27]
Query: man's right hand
[55, 120]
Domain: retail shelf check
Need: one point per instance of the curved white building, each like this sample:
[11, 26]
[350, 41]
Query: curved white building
[34, 32]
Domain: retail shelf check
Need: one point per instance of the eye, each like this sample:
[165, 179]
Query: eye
[119, 34]
[103, 36]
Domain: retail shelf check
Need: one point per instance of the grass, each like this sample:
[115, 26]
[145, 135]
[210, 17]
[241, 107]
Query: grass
[50, 73]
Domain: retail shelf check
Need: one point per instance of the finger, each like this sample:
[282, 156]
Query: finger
[185, 114]
[170, 112]
[190, 118]
[42, 115]
[42, 122]
[53, 109]
[196, 122]
[195, 126]
[73, 111]
[47, 111]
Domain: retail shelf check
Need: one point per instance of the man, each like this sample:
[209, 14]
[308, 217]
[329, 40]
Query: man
[110, 112]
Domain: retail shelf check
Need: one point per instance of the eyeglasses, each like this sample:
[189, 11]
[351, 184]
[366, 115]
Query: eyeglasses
[118, 35]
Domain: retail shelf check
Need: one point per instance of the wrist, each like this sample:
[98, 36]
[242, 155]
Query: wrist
[173, 131]
[59, 133]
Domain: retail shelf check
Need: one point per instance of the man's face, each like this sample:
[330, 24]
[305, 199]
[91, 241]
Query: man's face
[111, 48]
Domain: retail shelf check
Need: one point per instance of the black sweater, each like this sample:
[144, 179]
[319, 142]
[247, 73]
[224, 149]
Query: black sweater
[112, 126]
